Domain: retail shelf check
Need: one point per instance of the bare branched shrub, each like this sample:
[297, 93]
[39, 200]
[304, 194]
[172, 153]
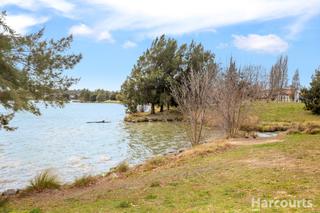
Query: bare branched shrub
[236, 88]
[194, 96]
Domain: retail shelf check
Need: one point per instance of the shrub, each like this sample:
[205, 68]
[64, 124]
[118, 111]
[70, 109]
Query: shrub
[84, 181]
[313, 131]
[45, 180]
[122, 167]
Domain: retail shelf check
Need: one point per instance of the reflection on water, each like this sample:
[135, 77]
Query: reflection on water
[62, 140]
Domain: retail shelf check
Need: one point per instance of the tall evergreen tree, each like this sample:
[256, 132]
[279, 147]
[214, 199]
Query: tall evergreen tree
[149, 82]
[311, 97]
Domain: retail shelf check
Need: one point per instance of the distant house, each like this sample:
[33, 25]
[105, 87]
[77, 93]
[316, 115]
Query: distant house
[285, 95]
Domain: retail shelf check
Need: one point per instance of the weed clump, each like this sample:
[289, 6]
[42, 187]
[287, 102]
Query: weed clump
[45, 180]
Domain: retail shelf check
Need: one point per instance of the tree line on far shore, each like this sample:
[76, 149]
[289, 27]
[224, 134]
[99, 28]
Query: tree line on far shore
[98, 96]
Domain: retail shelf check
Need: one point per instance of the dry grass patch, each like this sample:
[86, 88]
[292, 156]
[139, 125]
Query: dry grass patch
[205, 149]
[272, 161]
[121, 168]
[84, 181]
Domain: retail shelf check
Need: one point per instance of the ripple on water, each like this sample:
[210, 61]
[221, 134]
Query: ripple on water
[104, 158]
[74, 160]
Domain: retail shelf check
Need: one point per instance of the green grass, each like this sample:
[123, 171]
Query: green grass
[283, 112]
[273, 116]
[45, 180]
[215, 182]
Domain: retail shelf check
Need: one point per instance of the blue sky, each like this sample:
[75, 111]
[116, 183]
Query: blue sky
[111, 34]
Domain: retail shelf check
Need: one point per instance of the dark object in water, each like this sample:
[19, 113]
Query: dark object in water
[98, 122]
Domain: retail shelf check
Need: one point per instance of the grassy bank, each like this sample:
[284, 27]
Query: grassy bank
[205, 181]
[283, 112]
[273, 116]
[214, 177]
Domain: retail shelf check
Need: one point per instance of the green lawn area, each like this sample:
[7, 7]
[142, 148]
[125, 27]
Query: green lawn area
[283, 112]
[273, 116]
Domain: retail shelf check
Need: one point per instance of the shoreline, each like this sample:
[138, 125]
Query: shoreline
[170, 154]
[205, 173]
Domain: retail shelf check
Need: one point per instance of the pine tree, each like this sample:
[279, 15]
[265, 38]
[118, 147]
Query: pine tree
[31, 71]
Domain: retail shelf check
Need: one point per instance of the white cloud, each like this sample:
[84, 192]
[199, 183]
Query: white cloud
[153, 17]
[81, 29]
[84, 30]
[22, 23]
[104, 35]
[26, 4]
[297, 26]
[260, 43]
[58, 5]
[129, 44]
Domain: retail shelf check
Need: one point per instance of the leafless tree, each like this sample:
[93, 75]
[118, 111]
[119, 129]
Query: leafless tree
[278, 78]
[193, 95]
[236, 88]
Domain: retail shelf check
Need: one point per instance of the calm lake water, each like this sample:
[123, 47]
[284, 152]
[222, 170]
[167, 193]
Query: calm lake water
[61, 140]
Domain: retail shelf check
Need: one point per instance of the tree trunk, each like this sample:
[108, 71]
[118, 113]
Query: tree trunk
[161, 108]
[152, 109]
[168, 107]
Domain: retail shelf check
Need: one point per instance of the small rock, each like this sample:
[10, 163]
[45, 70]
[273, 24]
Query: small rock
[10, 192]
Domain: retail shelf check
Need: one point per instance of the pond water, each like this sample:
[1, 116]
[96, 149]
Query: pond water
[62, 140]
